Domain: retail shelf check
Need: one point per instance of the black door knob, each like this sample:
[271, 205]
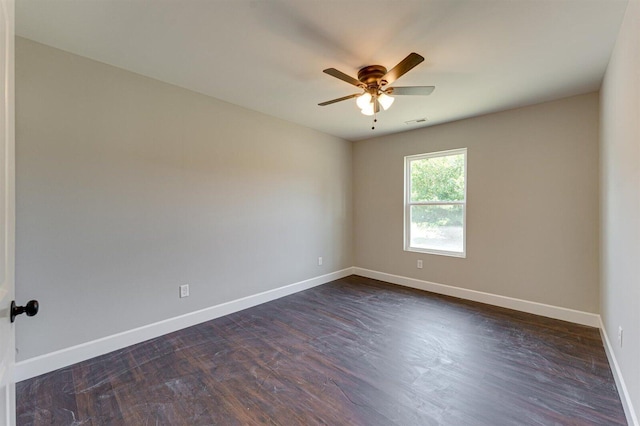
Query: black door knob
[30, 309]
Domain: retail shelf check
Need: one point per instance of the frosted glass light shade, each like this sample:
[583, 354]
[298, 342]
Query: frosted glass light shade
[368, 109]
[385, 100]
[363, 100]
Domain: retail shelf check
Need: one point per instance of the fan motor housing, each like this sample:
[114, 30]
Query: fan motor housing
[371, 74]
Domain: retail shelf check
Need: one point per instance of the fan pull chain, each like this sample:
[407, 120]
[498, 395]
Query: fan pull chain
[375, 120]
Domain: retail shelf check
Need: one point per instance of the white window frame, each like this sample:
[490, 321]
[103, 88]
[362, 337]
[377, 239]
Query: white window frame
[408, 203]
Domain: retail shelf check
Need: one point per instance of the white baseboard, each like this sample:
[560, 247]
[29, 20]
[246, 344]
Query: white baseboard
[565, 314]
[52, 361]
[632, 419]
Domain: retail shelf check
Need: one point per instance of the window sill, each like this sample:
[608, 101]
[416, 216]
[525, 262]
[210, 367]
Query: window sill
[461, 255]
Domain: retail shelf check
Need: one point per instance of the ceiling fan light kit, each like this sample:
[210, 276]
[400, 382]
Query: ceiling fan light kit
[373, 80]
[368, 110]
[385, 100]
[364, 100]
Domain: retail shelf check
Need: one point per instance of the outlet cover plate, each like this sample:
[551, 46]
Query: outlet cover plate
[184, 290]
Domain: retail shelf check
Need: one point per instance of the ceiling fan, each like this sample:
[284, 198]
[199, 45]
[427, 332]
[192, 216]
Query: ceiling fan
[374, 81]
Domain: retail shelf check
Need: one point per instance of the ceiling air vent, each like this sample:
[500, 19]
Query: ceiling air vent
[417, 121]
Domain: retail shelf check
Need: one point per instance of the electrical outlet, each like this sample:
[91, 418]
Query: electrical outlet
[419, 264]
[320, 261]
[620, 336]
[184, 290]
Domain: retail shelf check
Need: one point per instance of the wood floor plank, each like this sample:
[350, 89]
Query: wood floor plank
[355, 351]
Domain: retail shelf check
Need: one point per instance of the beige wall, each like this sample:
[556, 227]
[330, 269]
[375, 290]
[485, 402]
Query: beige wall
[128, 187]
[620, 183]
[532, 216]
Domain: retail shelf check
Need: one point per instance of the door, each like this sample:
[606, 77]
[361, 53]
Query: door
[7, 217]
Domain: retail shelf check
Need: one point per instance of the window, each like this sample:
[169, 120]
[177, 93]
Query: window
[436, 202]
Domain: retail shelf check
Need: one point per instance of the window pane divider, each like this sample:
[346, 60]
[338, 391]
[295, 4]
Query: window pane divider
[436, 203]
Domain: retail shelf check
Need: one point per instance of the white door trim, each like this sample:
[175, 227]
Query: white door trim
[7, 212]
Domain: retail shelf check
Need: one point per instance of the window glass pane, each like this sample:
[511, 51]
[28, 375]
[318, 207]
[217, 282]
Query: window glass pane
[438, 178]
[437, 227]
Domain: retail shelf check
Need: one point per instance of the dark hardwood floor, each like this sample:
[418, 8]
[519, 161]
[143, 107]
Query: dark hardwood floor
[352, 352]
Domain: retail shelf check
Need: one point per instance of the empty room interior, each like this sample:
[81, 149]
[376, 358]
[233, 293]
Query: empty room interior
[327, 212]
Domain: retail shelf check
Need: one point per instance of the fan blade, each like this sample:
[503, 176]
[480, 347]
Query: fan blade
[342, 76]
[403, 67]
[344, 98]
[410, 90]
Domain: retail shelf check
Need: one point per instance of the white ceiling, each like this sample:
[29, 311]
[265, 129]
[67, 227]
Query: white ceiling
[267, 55]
